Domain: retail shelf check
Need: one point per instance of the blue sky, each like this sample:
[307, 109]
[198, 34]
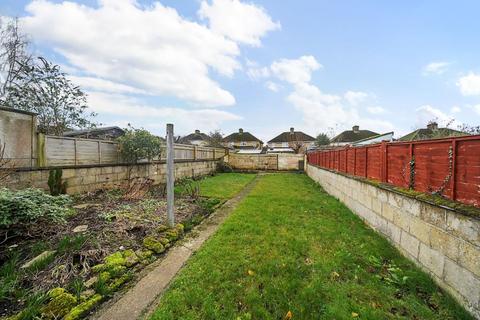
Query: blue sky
[265, 66]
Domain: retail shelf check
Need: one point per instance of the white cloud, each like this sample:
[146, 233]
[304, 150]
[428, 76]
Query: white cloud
[295, 70]
[239, 21]
[126, 109]
[427, 113]
[257, 73]
[355, 97]
[437, 67]
[322, 111]
[476, 108]
[150, 48]
[470, 84]
[272, 86]
[455, 109]
[376, 110]
[97, 84]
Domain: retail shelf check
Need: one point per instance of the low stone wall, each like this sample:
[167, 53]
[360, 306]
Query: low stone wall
[283, 162]
[443, 242]
[90, 178]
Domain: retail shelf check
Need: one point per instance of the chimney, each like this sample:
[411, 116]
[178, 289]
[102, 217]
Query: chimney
[292, 130]
[197, 131]
[432, 126]
[355, 129]
[240, 130]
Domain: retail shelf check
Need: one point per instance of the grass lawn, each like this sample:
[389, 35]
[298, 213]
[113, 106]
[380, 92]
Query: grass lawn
[222, 185]
[292, 251]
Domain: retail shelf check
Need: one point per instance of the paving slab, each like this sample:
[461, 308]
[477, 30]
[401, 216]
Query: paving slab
[140, 300]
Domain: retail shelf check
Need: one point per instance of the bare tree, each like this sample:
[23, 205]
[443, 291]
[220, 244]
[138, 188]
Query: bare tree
[44, 89]
[14, 56]
[6, 167]
[216, 139]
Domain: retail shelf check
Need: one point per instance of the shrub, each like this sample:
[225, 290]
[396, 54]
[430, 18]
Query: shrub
[55, 183]
[139, 144]
[31, 205]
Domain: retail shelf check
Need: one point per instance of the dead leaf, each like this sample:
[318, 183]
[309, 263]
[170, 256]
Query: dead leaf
[334, 275]
[288, 316]
[308, 261]
[251, 273]
[354, 315]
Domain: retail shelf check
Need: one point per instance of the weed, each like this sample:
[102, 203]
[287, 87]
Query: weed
[9, 276]
[70, 244]
[77, 286]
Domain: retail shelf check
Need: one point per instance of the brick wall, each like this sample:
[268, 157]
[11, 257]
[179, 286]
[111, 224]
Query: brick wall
[441, 241]
[90, 178]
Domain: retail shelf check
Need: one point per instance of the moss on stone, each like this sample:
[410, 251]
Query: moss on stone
[144, 254]
[164, 241]
[115, 284]
[115, 259]
[60, 304]
[180, 228]
[162, 228]
[153, 244]
[83, 308]
[99, 267]
[130, 257]
[171, 234]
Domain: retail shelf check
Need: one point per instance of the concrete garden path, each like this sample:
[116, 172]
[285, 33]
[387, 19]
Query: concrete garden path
[135, 303]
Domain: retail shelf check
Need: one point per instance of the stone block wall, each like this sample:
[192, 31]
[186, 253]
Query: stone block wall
[283, 162]
[443, 242]
[91, 178]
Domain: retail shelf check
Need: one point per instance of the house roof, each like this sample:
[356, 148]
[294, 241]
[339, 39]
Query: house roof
[289, 136]
[197, 135]
[74, 133]
[353, 135]
[427, 133]
[241, 136]
[375, 137]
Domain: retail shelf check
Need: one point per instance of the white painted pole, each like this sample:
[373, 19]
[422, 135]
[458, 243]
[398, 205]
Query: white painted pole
[170, 176]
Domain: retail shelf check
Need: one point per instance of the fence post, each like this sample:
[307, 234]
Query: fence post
[170, 176]
[75, 151]
[41, 150]
[384, 161]
[366, 162]
[453, 177]
[214, 154]
[99, 153]
[354, 161]
[194, 152]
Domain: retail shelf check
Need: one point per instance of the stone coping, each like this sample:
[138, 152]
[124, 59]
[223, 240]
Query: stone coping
[103, 165]
[434, 200]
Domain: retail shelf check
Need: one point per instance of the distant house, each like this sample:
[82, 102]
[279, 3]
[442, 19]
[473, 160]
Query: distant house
[375, 139]
[242, 140]
[197, 138]
[351, 136]
[432, 131]
[102, 133]
[291, 141]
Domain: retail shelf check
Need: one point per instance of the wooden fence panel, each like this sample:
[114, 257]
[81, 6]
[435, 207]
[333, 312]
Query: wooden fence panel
[398, 165]
[59, 151]
[448, 167]
[467, 172]
[109, 152]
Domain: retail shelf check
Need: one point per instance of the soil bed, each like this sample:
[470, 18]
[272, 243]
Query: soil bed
[104, 223]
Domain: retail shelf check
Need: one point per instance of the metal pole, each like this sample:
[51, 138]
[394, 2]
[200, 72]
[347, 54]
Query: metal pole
[170, 176]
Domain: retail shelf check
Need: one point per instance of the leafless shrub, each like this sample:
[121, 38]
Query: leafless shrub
[6, 166]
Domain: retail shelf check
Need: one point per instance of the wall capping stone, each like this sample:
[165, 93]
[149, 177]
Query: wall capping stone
[432, 200]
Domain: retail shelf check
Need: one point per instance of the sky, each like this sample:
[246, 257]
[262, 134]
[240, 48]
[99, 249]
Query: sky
[265, 66]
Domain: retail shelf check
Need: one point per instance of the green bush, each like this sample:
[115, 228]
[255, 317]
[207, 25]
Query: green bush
[31, 205]
[139, 144]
